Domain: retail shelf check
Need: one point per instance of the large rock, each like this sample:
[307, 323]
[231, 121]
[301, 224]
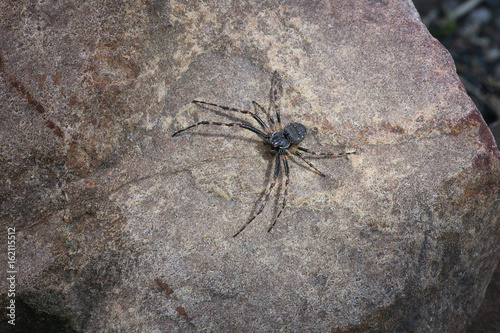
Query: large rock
[121, 227]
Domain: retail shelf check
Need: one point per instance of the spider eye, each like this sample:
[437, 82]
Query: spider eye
[295, 132]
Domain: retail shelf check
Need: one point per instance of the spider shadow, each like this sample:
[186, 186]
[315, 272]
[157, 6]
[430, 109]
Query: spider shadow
[311, 158]
[278, 189]
[226, 114]
[227, 136]
[276, 192]
[264, 152]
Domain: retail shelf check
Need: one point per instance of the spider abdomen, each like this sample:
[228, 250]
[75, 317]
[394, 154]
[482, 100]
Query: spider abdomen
[295, 132]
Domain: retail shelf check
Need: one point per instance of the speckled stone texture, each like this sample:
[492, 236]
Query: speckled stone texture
[123, 228]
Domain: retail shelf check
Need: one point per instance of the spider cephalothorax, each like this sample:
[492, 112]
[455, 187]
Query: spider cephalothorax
[282, 141]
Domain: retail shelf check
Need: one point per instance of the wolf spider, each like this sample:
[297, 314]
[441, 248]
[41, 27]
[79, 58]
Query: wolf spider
[283, 141]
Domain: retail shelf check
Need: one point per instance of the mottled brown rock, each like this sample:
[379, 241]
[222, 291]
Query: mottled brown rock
[401, 237]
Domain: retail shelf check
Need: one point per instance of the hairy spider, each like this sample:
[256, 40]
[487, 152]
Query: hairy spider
[282, 141]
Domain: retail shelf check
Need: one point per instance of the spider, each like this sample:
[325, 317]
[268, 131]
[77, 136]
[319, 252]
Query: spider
[283, 141]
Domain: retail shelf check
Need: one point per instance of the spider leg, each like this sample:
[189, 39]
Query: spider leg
[268, 192]
[287, 173]
[310, 164]
[245, 126]
[227, 108]
[325, 154]
[269, 116]
[275, 95]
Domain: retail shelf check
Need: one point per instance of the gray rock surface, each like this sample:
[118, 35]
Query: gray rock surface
[123, 228]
